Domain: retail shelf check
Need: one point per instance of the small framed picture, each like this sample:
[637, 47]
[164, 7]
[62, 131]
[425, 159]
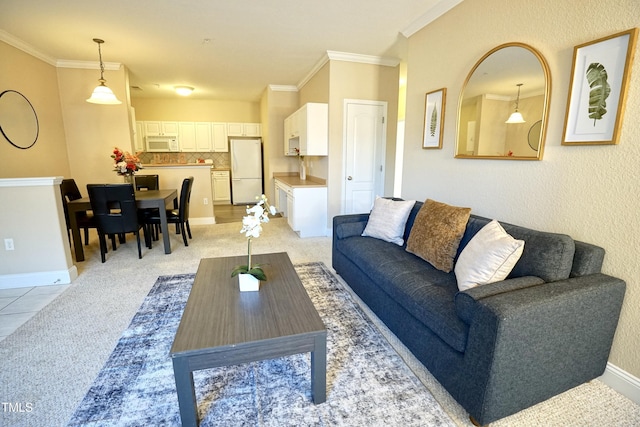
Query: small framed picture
[599, 77]
[434, 118]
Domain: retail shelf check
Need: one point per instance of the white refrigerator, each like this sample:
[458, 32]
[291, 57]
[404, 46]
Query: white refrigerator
[246, 170]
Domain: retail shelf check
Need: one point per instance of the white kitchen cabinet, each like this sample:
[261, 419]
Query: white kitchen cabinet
[304, 207]
[219, 138]
[244, 129]
[139, 137]
[161, 128]
[187, 136]
[203, 136]
[308, 130]
[221, 182]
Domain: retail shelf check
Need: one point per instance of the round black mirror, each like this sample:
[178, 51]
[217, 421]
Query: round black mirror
[18, 120]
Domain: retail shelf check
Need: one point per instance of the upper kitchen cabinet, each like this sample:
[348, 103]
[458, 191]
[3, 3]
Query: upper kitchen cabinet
[219, 139]
[187, 136]
[244, 129]
[203, 136]
[307, 130]
[161, 128]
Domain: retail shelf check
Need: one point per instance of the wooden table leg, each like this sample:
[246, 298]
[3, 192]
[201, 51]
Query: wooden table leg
[319, 369]
[75, 235]
[164, 226]
[186, 392]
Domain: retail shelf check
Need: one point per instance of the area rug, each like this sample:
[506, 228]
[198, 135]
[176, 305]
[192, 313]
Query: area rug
[368, 383]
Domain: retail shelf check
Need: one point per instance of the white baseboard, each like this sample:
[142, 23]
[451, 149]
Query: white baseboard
[622, 382]
[205, 220]
[42, 278]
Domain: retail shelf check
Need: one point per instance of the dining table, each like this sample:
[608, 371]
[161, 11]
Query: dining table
[148, 199]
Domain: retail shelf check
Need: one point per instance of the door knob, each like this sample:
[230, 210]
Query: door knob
[349, 178]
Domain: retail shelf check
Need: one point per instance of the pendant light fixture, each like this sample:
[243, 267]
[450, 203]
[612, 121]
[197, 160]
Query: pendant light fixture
[516, 117]
[102, 94]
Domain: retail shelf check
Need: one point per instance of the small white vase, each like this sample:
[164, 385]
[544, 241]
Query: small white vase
[303, 170]
[248, 283]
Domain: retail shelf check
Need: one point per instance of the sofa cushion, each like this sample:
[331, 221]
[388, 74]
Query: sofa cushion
[436, 233]
[424, 291]
[387, 220]
[489, 257]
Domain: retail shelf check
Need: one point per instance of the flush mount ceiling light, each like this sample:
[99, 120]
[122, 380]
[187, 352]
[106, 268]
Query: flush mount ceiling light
[102, 94]
[516, 117]
[183, 90]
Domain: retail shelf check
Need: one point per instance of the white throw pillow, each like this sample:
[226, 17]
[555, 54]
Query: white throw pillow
[388, 219]
[488, 257]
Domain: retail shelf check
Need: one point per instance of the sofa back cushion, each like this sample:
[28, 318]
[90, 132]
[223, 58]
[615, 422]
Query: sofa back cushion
[546, 255]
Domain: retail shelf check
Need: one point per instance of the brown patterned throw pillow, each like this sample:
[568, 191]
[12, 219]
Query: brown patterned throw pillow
[436, 233]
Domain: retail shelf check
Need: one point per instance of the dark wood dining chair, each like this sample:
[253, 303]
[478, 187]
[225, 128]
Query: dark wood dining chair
[114, 208]
[69, 191]
[147, 182]
[180, 216]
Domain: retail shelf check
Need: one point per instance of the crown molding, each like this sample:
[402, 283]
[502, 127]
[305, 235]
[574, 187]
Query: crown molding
[332, 55]
[283, 88]
[25, 47]
[439, 9]
[87, 65]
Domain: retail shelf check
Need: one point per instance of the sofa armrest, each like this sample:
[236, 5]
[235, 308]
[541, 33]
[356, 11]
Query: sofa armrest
[465, 301]
[533, 343]
[349, 225]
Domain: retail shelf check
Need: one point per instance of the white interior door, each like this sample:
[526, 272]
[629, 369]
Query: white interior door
[365, 131]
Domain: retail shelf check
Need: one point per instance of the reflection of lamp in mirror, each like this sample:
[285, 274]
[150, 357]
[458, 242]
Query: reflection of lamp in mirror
[516, 117]
[102, 94]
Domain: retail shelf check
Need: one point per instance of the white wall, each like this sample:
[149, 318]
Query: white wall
[35, 222]
[591, 193]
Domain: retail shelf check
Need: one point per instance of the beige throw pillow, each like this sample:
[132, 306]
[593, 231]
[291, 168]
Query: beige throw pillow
[488, 257]
[388, 219]
[436, 233]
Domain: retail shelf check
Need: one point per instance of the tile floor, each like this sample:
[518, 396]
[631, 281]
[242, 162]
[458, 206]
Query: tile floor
[17, 305]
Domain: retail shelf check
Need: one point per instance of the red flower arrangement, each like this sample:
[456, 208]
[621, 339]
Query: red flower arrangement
[125, 162]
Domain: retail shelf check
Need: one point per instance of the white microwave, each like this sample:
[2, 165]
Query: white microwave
[160, 144]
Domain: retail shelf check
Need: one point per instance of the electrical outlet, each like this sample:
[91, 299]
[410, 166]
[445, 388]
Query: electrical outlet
[205, 201]
[8, 244]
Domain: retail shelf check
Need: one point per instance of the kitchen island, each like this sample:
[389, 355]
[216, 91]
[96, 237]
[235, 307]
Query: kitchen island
[171, 175]
[302, 202]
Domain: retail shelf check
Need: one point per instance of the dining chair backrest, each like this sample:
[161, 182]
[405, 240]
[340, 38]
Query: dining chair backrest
[70, 191]
[114, 207]
[185, 198]
[147, 182]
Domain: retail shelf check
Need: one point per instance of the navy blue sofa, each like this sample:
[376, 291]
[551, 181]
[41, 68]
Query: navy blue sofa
[497, 348]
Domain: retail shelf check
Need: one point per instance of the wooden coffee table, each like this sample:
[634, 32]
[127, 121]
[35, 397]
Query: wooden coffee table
[222, 326]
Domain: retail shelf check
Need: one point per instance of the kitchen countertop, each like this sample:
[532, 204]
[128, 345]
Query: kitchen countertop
[174, 165]
[293, 180]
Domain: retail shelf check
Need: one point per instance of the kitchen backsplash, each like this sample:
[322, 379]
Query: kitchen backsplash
[220, 160]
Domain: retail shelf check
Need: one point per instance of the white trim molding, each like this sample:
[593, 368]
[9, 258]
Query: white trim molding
[25, 47]
[87, 65]
[31, 182]
[439, 9]
[332, 55]
[622, 382]
[40, 278]
[283, 88]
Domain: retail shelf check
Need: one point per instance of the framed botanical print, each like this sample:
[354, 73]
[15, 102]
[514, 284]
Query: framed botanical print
[434, 118]
[599, 76]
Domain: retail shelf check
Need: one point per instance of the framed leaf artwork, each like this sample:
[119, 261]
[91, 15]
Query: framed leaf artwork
[434, 118]
[599, 77]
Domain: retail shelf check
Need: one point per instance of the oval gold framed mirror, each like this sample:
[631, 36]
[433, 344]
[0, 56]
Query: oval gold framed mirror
[511, 78]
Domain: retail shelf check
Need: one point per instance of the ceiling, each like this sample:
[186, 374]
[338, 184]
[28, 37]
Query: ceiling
[225, 49]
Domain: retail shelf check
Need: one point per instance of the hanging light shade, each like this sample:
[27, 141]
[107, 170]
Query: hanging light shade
[102, 94]
[183, 90]
[516, 116]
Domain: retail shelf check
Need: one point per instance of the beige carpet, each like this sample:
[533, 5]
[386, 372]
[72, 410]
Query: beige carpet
[50, 362]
